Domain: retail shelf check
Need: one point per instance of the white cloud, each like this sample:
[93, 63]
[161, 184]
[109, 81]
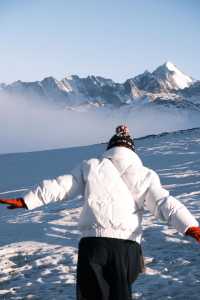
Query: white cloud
[35, 125]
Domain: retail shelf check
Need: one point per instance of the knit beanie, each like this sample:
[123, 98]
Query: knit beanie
[121, 138]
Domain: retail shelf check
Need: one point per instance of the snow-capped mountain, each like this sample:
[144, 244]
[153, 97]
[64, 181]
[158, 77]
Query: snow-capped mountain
[165, 78]
[38, 248]
[171, 78]
[71, 90]
[167, 82]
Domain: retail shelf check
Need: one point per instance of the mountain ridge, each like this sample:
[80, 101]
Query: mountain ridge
[166, 82]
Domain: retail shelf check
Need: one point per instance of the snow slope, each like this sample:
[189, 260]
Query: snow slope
[38, 249]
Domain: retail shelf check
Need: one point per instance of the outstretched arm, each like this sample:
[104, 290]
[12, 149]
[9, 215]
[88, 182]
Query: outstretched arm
[169, 209]
[52, 190]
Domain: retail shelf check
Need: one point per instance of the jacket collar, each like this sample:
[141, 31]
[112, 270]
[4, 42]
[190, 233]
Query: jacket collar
[118, 153]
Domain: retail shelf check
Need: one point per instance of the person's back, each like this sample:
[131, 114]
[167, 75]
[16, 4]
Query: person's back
[114, 196]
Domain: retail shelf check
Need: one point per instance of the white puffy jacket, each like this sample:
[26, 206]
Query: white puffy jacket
[116, 189]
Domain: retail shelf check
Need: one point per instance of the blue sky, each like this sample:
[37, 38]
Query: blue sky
[115, 39]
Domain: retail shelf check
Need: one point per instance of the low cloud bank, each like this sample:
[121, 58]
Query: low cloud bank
[35, 125]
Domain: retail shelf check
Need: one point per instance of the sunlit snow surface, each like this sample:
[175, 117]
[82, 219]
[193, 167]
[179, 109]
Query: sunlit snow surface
[38, 249]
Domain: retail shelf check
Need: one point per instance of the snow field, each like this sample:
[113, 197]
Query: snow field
[38, 249]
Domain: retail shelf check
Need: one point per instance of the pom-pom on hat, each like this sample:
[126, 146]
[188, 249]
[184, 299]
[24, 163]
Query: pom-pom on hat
[121, 138]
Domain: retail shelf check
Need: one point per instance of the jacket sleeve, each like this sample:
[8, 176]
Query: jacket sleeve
[52, 190]
[167, 208]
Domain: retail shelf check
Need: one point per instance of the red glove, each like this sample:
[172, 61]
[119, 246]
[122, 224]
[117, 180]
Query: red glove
[14, 203]
[194, 232]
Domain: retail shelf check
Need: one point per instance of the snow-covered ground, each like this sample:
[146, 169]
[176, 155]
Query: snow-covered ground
[38, 249]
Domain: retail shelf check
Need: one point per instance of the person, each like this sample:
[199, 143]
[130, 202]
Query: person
[116, 189]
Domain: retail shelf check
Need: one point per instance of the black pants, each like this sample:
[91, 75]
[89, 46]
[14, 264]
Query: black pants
[106, 268]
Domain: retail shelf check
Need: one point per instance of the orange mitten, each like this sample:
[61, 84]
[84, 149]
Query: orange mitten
[194, 232]
[14, 203]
